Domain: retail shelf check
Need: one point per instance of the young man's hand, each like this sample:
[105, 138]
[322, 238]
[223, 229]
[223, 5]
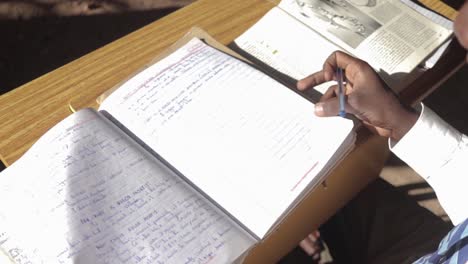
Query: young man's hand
[366, 96]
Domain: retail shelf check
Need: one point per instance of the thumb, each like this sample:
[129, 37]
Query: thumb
[330, 107]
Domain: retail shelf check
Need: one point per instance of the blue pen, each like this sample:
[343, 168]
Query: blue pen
[341, 94]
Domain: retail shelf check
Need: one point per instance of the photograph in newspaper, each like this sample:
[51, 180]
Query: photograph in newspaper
[342, 19]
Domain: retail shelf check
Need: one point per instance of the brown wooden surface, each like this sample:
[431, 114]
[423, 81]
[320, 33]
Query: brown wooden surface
[29, 111]
[441, 8]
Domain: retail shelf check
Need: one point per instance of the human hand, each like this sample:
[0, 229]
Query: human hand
[367, 96]
[312, 246]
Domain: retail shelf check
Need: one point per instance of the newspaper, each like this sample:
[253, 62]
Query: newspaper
[392, 37]
[386, 33]
[436, 18]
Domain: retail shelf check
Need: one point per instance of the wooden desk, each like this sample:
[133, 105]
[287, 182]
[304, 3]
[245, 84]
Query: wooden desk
[29, 111]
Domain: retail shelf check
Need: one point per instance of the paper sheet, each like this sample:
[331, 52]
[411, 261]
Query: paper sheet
[250, 143]
[291, 48]
[85, 194]
[434, 17]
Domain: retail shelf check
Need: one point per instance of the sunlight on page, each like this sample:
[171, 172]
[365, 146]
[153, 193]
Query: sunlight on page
[250, 143]
[84, 193]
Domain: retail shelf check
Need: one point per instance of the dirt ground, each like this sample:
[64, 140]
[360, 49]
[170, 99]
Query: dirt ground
[38, 36]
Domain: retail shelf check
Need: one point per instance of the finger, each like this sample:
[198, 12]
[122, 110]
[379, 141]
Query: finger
[335, 60]
[331, 107]
[312, 238]
[316, 233]
[331, 92]
[348, 88]
[311, 81]
[339, 59]
[308, 246]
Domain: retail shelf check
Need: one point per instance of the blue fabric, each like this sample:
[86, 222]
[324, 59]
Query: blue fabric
[453, 249]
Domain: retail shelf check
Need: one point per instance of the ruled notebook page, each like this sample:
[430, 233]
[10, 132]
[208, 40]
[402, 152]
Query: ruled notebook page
[85, 194]
[247, 141]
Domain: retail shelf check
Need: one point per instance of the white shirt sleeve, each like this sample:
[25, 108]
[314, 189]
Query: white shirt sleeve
[439, 153]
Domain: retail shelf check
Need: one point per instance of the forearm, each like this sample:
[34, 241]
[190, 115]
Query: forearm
[439, 153]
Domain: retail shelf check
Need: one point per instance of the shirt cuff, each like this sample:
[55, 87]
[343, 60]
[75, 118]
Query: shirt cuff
[428, 145]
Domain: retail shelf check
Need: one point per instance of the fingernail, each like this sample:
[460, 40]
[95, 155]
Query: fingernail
[299, 85]
[312, 238]
[318, 109]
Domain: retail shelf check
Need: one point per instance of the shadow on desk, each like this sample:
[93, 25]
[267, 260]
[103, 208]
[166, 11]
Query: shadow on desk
[455, 4]
[33, 47]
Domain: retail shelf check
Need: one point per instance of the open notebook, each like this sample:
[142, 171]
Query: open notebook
[193, 160]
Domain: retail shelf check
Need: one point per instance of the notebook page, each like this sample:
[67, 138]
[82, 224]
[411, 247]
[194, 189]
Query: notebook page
[292, 48]
[248, 142]
[84, 194]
